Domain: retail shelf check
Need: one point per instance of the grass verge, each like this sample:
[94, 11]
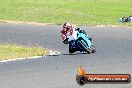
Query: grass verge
[9, 51]
[82, 12]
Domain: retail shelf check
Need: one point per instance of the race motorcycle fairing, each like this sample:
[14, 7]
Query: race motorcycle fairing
[78, 41]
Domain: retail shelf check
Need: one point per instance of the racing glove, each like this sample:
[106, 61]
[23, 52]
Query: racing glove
[65, 41]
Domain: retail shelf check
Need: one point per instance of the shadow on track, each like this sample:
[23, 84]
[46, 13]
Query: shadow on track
[73, 53]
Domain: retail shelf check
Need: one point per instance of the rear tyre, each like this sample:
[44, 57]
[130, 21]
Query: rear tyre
[86, 48]
[71, 49]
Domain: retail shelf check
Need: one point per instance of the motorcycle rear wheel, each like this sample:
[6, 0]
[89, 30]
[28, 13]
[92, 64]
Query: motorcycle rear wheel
[71, 49]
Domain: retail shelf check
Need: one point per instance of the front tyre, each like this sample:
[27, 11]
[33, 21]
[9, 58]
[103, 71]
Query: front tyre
[93, 49]
[86, 48]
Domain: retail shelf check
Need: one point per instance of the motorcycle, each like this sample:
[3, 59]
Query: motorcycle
[78, 41]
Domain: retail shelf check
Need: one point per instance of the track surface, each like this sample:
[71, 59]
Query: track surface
[114, 55]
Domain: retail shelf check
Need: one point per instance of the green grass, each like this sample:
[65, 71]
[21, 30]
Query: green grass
[9, 51]
[82, 12]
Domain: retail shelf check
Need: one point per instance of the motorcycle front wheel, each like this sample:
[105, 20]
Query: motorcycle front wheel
[93, 49]
[86, 48]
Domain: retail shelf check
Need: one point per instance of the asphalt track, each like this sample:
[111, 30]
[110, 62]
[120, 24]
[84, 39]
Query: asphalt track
[114, 55]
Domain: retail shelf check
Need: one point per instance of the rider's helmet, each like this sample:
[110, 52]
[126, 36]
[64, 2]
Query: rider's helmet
[66, 26]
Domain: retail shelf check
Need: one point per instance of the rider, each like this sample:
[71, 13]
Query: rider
[68, 30]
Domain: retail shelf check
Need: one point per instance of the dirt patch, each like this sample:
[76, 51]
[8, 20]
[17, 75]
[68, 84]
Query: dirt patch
[24, 22]
[37, 23]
